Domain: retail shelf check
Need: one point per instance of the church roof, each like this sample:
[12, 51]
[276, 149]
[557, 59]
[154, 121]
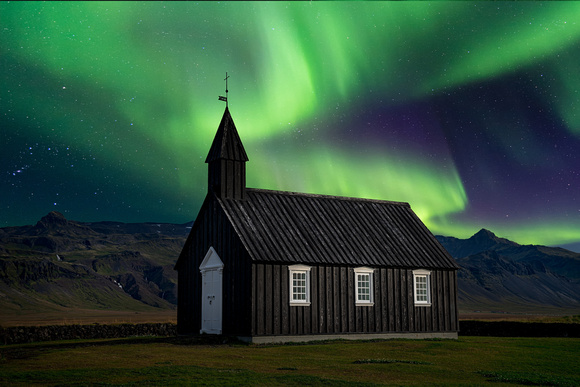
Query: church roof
[288, 227]
[226, 143]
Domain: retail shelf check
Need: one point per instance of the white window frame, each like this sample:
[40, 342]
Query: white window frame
[422, 274]
[299, 269]
[362, 271]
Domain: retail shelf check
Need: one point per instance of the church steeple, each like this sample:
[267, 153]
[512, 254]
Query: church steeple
[227, 161]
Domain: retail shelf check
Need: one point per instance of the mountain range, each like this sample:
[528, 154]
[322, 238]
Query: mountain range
[500, 275]
[60, 265]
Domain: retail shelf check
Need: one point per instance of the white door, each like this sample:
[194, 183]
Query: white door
[211, 302]
[211, 293]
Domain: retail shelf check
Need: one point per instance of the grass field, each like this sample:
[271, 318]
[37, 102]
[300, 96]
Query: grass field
[176, 361]
[69, 316]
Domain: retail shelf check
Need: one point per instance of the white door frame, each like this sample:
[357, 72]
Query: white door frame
[211, 270]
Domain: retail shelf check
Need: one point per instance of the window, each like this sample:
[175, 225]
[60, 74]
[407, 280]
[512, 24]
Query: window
[422, 286]
[363, 282]
[299, 285]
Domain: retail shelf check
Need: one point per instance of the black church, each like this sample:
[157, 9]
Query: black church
[274, 266]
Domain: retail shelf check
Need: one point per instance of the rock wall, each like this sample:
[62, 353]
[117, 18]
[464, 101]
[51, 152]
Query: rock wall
[517, 329]
[17, 335]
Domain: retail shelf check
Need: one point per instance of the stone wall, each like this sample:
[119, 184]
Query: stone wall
[517, 329]
[16, 335]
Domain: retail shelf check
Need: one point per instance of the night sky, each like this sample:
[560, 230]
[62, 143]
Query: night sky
[469, 111]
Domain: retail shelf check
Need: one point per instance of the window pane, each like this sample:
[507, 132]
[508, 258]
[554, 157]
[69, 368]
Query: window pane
[421, 288]
[299, 286]
[364, 287]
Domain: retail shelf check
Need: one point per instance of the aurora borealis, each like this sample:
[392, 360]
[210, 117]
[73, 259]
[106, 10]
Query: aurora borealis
[469, 111]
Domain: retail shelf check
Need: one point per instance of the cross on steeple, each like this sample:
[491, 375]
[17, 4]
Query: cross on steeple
[226, 97]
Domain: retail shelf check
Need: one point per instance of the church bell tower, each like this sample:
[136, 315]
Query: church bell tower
[227, 161]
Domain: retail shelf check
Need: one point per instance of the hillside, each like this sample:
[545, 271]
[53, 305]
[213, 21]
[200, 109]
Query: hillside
[500, 275]
[58, 265]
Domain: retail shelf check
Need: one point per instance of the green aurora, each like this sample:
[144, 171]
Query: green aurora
[109, 108]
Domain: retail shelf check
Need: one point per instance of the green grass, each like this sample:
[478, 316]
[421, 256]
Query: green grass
[530, 378]
[167, 375]
[163, 361]
[388, 361]
[572, 319]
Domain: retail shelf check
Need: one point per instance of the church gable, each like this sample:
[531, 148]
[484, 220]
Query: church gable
[187, 252]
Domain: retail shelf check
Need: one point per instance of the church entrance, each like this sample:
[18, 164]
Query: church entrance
[211, 270]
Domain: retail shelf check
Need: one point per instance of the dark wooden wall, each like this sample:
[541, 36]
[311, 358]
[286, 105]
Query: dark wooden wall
[212, 229]
[333, 308]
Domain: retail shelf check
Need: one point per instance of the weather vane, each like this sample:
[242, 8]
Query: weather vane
[226, 97]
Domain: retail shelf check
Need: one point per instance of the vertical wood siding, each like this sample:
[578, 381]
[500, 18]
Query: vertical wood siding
[227, 178]
[213, 229]
[333, 308]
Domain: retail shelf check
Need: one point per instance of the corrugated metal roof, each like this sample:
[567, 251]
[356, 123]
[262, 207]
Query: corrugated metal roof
[226, 143]
[290, 227]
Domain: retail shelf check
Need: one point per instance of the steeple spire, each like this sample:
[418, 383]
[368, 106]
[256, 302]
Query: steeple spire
[227, 161]
[221, 98]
